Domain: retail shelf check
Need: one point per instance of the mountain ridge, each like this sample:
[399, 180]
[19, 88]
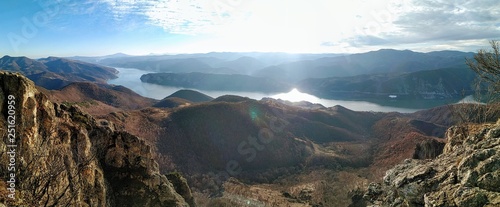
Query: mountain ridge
[373, 62]
[55, 73]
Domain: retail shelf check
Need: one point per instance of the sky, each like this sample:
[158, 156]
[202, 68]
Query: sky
[41, 28]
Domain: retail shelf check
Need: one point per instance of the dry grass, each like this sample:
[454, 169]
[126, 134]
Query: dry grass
[318, 187]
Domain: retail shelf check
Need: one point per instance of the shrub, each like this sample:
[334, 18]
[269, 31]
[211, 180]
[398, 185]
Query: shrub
[486, 64]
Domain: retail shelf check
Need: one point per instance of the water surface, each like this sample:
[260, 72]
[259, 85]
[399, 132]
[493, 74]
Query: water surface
[130, 78]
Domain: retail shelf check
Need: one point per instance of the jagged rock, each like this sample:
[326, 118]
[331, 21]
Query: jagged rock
[181, 187]
[466, 174]
[428, 149]
[65, 157]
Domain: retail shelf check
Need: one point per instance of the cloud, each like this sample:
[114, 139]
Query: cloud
[431, 20]
[313, 25]
[424, 25]
[176, 16]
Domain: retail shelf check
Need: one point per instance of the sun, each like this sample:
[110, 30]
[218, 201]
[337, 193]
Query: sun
[293, 26]
[282, 26]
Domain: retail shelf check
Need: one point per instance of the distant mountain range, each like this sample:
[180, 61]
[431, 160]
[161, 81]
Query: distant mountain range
[428, 84]
[221, 82]
[55, 73]
[290, 67]
[215, 60]
[373, 74]
[375, 62]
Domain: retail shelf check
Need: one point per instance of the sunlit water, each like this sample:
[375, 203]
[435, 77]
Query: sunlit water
[130, 78]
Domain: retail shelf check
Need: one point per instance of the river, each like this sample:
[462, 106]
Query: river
[130, 78]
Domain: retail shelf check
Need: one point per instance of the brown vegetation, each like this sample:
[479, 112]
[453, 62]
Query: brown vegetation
[99, 99]
[200, 139]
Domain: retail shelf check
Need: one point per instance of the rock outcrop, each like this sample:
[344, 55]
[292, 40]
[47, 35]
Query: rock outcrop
[65, 157]
[466, 174]
[428, 149]
[181, 187]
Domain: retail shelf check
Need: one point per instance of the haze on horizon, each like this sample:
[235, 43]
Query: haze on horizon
[139, 27]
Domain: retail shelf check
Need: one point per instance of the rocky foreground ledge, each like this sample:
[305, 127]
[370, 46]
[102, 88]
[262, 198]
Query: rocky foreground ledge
[57, 155]
[466, 174]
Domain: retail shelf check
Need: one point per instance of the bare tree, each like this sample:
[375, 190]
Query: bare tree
[486, 104]
[487, 66]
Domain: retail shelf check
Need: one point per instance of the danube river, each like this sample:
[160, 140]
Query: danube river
[130, 78]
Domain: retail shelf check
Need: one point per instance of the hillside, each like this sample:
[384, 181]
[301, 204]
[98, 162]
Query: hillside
[230, 98]
[222, 82]
[99, 98]
[182, 98]
[91, 72]
[55, 73]
[259, 142]
[22, 64]
[190, 95]
[444, 83]
[65, 157]
[172, 102]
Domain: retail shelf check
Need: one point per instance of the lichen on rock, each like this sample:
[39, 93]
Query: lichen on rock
[466, 174]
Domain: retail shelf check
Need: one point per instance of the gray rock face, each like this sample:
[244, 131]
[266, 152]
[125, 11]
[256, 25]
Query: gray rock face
[65, 157]
[428, 149]
[466, 174]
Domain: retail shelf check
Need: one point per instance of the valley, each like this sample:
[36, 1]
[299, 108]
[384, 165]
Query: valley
[264, 148]
[232, 146]
[230, 103]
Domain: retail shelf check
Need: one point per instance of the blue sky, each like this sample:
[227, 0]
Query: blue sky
[138, 27]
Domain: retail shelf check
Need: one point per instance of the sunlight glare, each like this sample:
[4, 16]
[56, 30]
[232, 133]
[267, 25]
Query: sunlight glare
[287, 26]
[296, 96]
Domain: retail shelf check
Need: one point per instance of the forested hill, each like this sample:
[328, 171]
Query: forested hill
[428, 84]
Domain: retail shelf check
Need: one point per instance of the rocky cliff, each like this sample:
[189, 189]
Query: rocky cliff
[466, 174]
[56, 155]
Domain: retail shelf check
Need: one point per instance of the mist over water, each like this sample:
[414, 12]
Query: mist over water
[130, 78]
